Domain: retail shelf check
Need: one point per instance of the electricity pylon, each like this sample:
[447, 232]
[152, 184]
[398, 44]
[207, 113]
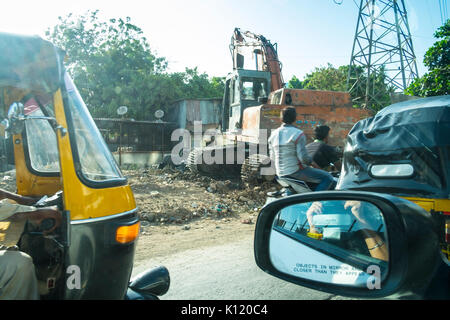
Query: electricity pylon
[382, 50]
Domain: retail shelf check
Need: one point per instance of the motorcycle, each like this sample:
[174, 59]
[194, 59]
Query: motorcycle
[291, 186]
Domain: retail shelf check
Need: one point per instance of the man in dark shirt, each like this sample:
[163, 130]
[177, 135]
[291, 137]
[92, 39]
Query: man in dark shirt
[323, 154]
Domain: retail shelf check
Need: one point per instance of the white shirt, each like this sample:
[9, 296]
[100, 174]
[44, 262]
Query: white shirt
[287, 150]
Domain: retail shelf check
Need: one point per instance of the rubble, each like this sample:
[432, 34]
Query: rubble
[247, 221]
[8, 180]
[172, 196]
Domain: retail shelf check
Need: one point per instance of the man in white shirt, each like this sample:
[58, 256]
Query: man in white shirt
[287, 146]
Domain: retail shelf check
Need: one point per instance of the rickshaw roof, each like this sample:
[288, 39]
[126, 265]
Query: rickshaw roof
[415, 131]
[29, 62]
[423, 104]
[410, 124]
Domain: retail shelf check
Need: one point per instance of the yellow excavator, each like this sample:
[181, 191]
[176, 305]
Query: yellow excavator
[254, 95]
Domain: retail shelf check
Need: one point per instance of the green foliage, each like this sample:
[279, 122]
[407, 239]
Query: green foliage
[199, 86]
[112, 65]
[437, 59]
[295, 83]
[326, 78]
[335, 79]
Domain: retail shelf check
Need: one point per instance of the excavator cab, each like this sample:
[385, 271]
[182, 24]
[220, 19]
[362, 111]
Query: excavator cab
[243, 89]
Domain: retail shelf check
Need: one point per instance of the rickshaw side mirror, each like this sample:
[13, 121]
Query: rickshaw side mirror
[4, 126]
[16, 110]
[349, 243]
[15, 123]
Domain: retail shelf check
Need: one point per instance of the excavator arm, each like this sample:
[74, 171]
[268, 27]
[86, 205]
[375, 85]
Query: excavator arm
[263, 51]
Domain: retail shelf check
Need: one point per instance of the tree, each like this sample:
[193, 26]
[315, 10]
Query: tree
[218, 86]
[295, 83]
[199, 86]
[335, 79]
[437, 60]
[110, 61]
[112, 65]
[326, 78]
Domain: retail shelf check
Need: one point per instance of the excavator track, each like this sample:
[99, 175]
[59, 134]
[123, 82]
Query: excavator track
[191, 162]
[196, 164]
[251, 170]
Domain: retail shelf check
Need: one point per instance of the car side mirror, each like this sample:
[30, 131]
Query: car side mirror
[355, 244]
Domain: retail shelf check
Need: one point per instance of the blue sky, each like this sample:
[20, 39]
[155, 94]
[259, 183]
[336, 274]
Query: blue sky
[309, 33]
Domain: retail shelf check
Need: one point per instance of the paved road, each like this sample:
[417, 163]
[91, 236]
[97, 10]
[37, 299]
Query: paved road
[225, 272]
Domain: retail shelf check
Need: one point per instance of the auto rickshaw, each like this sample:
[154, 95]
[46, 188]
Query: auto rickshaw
[405, 151]
[60, 155]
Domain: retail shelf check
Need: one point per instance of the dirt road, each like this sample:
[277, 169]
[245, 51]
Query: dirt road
[226, 271]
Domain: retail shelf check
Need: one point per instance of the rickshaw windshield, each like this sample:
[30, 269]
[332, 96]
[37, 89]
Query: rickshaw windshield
[91, 154]
[41, 144]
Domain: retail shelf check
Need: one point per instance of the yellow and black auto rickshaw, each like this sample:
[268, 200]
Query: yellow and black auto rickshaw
[405, 151]
[60, 154]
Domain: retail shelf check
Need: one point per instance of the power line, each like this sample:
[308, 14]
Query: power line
[432, 23]
[445, 10]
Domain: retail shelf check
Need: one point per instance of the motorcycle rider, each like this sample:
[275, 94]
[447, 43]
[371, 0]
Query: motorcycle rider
[321, 152]
[287, 147]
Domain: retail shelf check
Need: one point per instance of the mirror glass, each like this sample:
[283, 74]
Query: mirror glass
[15, 110]
[334, 241]
[4, 126]
[392, 170]
[15, 118]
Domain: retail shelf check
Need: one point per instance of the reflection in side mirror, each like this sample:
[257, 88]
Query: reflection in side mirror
[16, 118]
[350, 243]
[4, 126]
[334, 241]
[16, 110]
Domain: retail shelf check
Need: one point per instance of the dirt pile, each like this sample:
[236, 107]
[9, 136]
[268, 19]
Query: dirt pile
[170, 196]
